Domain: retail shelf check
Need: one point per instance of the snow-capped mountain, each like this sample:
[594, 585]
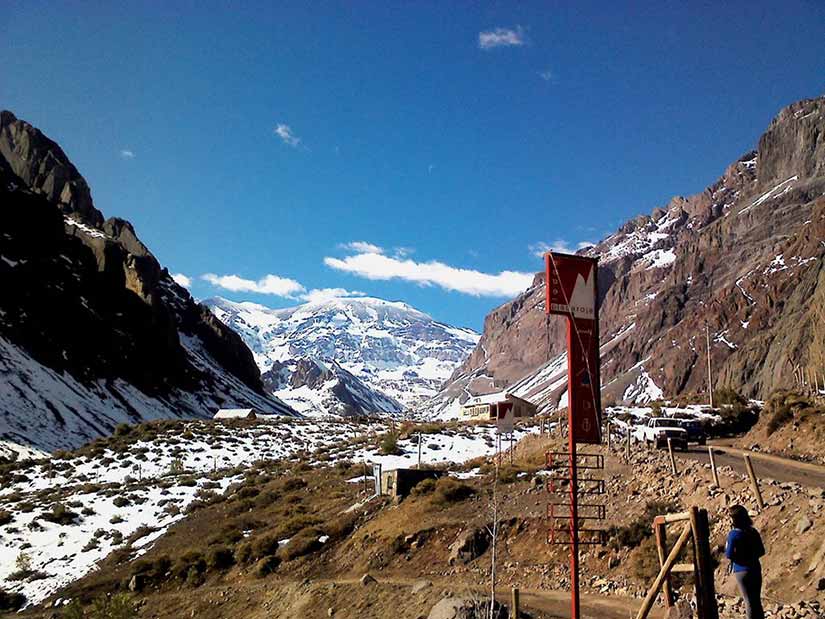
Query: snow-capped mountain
[316, 388]
[389, 347]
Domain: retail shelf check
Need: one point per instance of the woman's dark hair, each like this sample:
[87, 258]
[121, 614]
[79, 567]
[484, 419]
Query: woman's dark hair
[739, 515]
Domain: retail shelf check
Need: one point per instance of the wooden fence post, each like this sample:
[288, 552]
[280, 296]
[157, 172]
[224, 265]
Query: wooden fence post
[647, 604]
[672, 459]
[660, 531]
[419, 450]
[627, 445]
[713, 467]
[754, 482]
[703, 564]
[608, 437]
[514, 604]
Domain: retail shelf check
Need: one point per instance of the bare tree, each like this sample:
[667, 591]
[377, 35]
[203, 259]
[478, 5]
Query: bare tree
[492, 530]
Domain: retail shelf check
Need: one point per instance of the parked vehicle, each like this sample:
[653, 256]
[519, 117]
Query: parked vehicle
[695, 431]
[659, 429]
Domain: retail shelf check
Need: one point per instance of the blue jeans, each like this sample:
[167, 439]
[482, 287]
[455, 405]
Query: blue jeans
[750, 584]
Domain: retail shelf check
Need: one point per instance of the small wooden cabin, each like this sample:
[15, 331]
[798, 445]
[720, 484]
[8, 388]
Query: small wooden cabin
[237, 413]
[483, 407]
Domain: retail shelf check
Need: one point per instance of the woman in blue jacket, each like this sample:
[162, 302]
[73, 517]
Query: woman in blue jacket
[744, 548]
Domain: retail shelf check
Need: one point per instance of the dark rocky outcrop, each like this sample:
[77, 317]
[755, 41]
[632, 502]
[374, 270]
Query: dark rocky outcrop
[43, 168]
[85, 298]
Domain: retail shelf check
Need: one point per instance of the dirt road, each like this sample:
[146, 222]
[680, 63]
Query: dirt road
[765, 466]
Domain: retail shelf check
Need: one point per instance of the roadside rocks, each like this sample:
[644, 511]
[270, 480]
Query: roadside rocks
[470, 544]
[367, 580]
[803, 524]
[465, 608]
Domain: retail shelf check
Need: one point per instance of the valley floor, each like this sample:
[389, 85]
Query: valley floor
[286, 529]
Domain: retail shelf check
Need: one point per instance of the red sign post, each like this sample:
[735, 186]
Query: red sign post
[572, 291]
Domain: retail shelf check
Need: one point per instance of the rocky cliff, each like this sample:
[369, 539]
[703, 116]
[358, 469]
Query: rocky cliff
[745, 257]
[93, 330]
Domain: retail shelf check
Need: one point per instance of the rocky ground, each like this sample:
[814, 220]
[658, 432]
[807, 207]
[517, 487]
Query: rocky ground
[293, 533]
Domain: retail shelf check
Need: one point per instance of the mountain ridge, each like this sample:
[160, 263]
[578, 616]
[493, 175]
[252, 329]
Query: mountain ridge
[127, 344]
[398, 352]
[730, 247]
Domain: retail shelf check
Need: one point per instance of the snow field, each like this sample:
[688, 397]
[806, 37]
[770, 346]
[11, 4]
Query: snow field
[138, 487]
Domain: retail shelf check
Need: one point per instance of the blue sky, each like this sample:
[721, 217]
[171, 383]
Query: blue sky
[262, 142]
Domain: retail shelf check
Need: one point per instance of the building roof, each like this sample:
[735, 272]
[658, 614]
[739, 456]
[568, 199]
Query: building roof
[234, 413]
[493, 398]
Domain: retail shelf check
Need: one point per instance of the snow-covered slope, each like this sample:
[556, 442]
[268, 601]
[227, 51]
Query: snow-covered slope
[120, 497]
[391, 347]
[317, 389]
[44, 410]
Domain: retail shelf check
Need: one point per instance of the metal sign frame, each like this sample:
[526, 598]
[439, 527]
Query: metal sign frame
[571, 285]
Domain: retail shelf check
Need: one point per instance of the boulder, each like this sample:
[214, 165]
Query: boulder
[803, 524]
[421, 585]
[465, 608]
[470, 544]
[367, 580]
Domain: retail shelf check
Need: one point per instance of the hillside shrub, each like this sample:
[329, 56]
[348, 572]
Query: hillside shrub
[448, 491]
[726, 396]
[267, 566]
[292, 483]
[5, 517]
[243, 553]
[10, 601]
[736, 419]
[388, 444]
[424, 487]
[123, 429]
[302, 543]
[341, 527]
[644, 563]
[293, 524]
[784, 407]
[264, 546]
[190, 567]
[635, 532]
[60, 514]
[219, 558]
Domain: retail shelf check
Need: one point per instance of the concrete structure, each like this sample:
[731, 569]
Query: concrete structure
[399, 482]
[237, 413]
[484, 406]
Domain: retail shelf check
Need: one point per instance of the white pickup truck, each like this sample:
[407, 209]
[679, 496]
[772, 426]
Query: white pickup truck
[659, 429]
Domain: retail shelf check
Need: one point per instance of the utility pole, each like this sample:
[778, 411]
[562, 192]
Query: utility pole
[710, 375]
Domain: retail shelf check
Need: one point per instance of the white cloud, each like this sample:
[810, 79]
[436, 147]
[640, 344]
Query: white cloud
[379, 267]
[269, 284]
[546, 75]
[320, 295]
[182, 280]
[501, 37]
[362, 247]
[559, 245]
[287, 136]
[541, 248]
[127, 154]
[403, 252]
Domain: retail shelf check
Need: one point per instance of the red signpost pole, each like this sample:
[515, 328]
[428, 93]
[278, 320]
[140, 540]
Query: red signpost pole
[572, 292]
[574, 488]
